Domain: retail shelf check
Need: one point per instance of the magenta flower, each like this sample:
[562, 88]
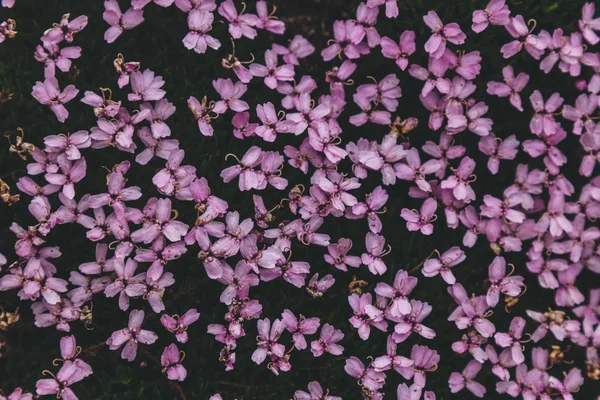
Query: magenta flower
[102, 105]
[511, 88]
[124, 69]
[59, 385]
[498, 149]
[271, 125]
[70, 173]
[202, 114]
[317, 287]
[441, 265]
[365, 315]
[245, 170]
[299, 47]
[240, 24]
[316, 393]
[554, 219]
[543, 121]
[338, 255]
[391, 359]
[436, 44]
[413, 170]
[267, 21]
[391, 6]
[348, 37]
[179, 325]
[512, 340]
[139, 4]
[119, 22]
[412, 322]
[299, 327]
[272, 73]
[399, 51]
[267, 338]
[424, 360]
[421, 220]
[160, 223]
[65, 30]
[323, 138]
[54, 57]
[327, 342]
[170, 360]
[500, 282]
[460, 181]
[230, 94]
[131, 336]
[367, 377]
[588, 24]
[198, 39]
[519, 30]
[398, 294]
[373, 257]
[48, 93]
[9, 4]
[458, 381]
[174, 176]
[145, 86]
[495, 13]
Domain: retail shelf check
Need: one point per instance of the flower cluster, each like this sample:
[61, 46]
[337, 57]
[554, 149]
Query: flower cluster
[546, 215]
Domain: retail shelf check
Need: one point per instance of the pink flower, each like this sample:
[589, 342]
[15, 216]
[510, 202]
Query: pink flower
[500, 282]
[416, 220]
[65, 30]
[70, 174]
[441, 265]
[588, 24]
[139, 4]
[373, 257]
[131, 336]
[59, 385]
[267, 338]
[391, 359]
[267, 21]
[179, 325]
[298, 48]
[366, 376]
[519, 30]
[348, 37]
[119, 22]
[54, 57]
[436, 45]
[145, 86]
[391, 6]
[271, 125]
[399, 51]
[198, 39]
[240, 24]
[299, 327]
[49, 93]
[316, 393]
[424, 360]
[272, 73]
[327, 342]
[461, 180]
[458, 381]
[495, 13]
[338, 255]
[497, 149]
[170, 360]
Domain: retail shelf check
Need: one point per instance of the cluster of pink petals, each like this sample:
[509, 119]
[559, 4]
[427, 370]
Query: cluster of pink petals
[546, 214]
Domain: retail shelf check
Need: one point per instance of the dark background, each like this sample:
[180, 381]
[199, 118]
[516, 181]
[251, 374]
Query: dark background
[157, 45]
